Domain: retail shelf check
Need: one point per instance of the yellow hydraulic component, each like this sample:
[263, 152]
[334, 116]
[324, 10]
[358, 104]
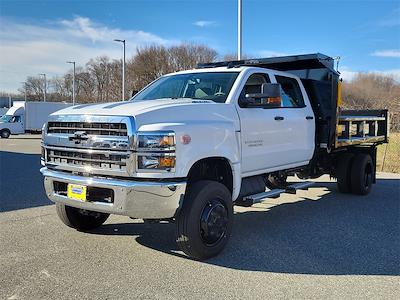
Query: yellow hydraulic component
[339, 94]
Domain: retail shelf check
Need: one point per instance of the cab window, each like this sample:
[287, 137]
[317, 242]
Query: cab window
[214, 86]
[16, 119]
[291, 92]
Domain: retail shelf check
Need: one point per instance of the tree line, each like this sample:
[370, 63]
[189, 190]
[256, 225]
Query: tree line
[100, 79]
[374, 91]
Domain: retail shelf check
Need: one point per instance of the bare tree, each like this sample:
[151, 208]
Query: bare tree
[151, 62]
[233, 57]
[148, 64]
[98, 69]
[100, 79]
[374, 91]
[187, 56]
[34, 86]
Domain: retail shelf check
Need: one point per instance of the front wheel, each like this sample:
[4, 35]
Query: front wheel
[5, 134]
[205, 222]
[80, 219]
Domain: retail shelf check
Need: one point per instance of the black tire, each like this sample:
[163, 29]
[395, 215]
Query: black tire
[80, 219]
[204, 224]
[343, 173]
[362, 173]
[5, 134]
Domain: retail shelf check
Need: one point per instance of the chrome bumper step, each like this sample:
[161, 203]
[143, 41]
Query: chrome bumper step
[275, 193]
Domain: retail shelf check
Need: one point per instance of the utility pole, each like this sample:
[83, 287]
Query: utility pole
[123, 69]
[239, 50]
[45, 87]
[73, 83]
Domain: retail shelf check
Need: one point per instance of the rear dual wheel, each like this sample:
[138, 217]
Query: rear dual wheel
[362, 174]
[355, 173]
[343, 173]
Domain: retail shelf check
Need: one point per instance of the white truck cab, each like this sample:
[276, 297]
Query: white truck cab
[192, 144]
[13, 121]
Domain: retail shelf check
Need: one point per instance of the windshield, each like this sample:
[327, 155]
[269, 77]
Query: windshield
[5, 118]
[213, 86]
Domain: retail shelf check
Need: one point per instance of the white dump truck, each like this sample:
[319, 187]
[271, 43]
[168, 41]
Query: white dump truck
[193, 144]
[27, 117]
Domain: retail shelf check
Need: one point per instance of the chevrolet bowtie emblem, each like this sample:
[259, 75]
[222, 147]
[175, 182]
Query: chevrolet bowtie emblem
[79, 136]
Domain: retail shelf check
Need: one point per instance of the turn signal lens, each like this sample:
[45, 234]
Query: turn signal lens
[167, 162]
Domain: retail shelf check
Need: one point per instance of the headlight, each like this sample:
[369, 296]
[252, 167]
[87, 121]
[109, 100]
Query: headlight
[163, 162]
[156, 151]
[156, 141]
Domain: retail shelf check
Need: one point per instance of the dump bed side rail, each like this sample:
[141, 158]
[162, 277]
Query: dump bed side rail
[356, 127]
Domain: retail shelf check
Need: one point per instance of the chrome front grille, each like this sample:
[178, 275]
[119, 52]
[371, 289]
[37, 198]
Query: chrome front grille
[97, 145]
[107, 129]
[111, 160]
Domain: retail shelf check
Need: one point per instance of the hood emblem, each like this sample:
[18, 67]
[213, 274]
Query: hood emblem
[79, 136]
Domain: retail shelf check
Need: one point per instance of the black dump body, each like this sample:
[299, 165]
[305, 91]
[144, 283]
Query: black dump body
[320, 80]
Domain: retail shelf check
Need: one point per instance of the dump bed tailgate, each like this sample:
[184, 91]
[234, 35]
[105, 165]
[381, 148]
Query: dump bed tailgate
[356, 127]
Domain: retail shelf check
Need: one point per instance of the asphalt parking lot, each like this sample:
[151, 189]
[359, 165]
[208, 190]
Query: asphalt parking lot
[316, 244]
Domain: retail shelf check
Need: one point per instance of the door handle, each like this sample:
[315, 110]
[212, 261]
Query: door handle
[278, 118]
[309, 118]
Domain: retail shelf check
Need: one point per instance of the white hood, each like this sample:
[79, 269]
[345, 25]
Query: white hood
[126, 108]
[160, 111]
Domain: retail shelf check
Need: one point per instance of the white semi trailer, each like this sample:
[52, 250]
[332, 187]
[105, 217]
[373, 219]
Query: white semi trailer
[25, 117]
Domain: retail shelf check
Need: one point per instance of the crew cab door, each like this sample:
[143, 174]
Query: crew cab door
[276, 138]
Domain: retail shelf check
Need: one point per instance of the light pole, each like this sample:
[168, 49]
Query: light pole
[24, 83]
[45, 86]
[123, 69]
[239, 30]
[73, 82]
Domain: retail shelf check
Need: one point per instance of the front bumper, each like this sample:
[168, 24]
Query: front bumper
[136, 199]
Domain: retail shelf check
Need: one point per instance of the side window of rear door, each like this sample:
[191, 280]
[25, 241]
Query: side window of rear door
[291, 92]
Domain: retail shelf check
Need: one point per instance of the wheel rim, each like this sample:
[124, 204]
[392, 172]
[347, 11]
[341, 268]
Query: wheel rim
[213, 222]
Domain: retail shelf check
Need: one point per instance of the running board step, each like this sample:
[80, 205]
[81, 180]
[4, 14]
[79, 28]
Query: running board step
[291, 189]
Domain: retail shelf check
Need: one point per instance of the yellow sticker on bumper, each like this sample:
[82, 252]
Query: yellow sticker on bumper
[76, 192]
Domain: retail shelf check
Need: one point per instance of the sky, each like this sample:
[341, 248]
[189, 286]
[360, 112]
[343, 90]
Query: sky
[40, 36]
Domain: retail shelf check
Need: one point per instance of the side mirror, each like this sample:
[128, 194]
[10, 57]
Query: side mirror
[270, 96]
